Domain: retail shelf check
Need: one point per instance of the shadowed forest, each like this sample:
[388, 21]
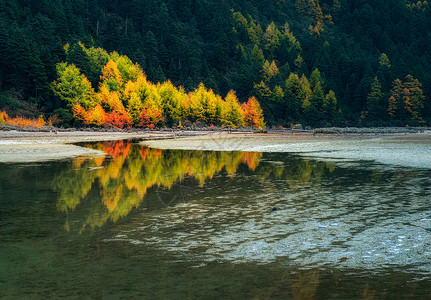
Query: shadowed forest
[155, 63]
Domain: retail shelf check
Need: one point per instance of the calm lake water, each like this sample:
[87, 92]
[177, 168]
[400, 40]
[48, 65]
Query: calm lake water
[144, 223]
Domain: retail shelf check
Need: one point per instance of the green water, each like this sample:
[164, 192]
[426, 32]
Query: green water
[150, 224]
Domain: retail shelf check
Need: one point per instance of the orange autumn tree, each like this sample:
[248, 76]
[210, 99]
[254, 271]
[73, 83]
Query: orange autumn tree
[151, 115]
[252, 111]
[116, 115]
[109, 96]
[97, 115]
[80, 113]
[152, 112]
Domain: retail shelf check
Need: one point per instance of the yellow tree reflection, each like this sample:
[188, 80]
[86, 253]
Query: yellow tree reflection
[108, 188]
[121, 179]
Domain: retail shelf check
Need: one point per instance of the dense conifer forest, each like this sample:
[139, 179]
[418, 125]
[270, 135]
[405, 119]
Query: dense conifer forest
[319, 63]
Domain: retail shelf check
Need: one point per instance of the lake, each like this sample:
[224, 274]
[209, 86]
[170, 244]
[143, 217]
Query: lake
[145, 223]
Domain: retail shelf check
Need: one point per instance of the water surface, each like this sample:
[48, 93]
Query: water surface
[165, 224]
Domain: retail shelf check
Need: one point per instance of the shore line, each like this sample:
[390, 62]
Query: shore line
[37, 146]
[20, 146]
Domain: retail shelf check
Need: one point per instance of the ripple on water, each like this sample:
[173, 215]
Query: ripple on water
[371, 226]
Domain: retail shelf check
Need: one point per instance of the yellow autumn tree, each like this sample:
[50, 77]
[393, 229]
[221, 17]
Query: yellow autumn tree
[232, 115]
[111, 77]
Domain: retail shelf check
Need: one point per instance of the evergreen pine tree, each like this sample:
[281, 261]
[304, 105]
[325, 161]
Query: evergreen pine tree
[375, 106]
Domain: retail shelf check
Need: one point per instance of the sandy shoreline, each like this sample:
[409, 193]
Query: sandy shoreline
[24, 147]
[407, 150]
[404, 149]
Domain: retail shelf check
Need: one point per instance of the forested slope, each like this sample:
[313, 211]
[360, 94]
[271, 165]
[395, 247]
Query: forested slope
[334, 62]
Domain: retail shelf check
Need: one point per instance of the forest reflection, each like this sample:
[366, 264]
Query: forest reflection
[107, 188]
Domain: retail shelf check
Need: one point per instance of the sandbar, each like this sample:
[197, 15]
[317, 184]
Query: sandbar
[407, 150]
[402, 149]
[25, 146]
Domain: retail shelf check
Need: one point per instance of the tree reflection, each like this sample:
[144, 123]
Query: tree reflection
[108, 188]
[99, 190]
[305, 285]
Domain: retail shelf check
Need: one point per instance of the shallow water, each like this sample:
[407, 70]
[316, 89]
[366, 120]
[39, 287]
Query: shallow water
[164, 224]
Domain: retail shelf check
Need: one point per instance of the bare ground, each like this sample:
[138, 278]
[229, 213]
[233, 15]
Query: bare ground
[23, 147]
[401, 149]
[405, 149]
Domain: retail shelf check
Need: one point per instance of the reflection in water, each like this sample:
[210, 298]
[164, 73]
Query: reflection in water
[305, 284]
[108, 188]
[200, 225]
[123, 178]
[365, 218]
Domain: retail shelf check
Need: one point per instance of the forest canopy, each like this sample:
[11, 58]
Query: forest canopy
[320, 63]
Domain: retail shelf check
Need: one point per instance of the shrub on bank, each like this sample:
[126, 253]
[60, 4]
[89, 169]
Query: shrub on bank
[20, 121]
[3, 117]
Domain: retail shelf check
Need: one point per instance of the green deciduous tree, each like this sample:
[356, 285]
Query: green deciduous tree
[72, 87]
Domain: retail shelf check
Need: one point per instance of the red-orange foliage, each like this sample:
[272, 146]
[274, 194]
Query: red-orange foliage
[3, 117]
[20, 121]
[77, 162]
[116, 148]
[116, 115]
[151, 154]
[150, 117]
[97, 116]
[126, 98]
[99, 161]
[252, 113]
[79, 112]
[117, 119]
[143, 152]
[251, 159]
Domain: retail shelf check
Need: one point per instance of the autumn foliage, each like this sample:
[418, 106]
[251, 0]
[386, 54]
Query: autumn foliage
[125, 98]
[20, 121]
[253, 113]
[3, 117]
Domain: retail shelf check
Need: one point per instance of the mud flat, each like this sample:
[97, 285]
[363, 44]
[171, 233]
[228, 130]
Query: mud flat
[397, 149]
[34, 146]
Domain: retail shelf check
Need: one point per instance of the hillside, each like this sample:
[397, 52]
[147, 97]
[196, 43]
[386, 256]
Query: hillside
[334, 62]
